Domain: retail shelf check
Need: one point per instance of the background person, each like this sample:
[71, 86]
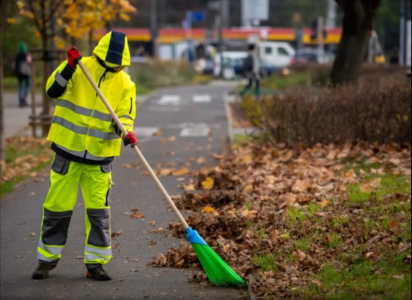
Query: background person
[252, 71]
[22, 67]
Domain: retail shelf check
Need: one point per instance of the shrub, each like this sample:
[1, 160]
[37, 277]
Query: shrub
[372, 112]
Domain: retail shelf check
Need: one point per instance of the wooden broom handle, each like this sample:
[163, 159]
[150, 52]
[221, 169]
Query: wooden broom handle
[135, 148]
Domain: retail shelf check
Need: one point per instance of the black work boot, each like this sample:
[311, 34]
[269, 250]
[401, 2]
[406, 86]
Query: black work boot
[98, 273]
[42, 271]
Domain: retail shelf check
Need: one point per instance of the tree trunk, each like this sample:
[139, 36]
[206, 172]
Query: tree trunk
[46, 100]
[91, 42]
[358, 23]
[2, 138]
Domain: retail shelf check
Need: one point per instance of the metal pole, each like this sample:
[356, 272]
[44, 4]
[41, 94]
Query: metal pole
[52, 30]
[153, 26]
[321, 47]
[189, 35]
[221, 10]
[402, 33]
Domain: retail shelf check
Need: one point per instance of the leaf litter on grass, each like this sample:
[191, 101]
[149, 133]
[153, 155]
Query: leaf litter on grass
[283, 215]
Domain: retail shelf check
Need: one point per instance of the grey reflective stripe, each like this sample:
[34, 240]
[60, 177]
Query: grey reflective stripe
[102, 116]
[81, 154]
[90, 257]
[44, 258]
[60, 80]
[51, 250]
[70, 126]
[84, 111]
[106, 252]
[83, 130]
[103, 135]
[126, 117]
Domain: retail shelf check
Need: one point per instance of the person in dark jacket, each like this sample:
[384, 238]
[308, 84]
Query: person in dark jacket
[252, 71]
[22, 67]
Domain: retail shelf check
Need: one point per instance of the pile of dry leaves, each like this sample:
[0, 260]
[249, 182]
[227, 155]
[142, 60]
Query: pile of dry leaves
[24, 155]
[262, 203]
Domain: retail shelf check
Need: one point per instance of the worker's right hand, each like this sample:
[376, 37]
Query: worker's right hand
[130, 139]
[73, 57]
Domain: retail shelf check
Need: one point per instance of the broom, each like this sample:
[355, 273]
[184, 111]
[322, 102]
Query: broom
[218, 272]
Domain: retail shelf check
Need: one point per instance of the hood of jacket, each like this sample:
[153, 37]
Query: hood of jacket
[113, 49]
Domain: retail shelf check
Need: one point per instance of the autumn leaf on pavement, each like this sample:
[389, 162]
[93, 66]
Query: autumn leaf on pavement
[136, 215]
[181, 172]
[189, 187]
[208, 184]
[208, 209]
[394, 227]
[218, 156]
[165, 172]
[172, 139]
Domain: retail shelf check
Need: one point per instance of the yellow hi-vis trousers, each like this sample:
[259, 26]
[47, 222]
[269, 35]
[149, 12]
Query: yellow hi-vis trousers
[95, 182]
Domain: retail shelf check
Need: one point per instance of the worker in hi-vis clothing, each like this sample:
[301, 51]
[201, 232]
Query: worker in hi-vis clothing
[86, 140]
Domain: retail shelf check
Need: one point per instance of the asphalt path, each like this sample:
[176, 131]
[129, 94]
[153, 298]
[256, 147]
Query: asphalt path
[176, 127]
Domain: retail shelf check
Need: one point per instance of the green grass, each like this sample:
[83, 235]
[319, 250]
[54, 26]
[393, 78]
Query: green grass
[240, 139]
[10, 84]
[142, 90]
[364, 280]
[13, 152]
[267, 262]
[279, 82]
[390, 184]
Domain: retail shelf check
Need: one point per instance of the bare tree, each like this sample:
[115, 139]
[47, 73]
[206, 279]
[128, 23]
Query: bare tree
[358, 23]
[2, 139]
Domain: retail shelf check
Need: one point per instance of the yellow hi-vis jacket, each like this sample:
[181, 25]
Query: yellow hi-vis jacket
[81, 122]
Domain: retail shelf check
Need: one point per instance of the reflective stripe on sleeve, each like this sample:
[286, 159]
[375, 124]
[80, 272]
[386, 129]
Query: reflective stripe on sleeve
[60, 80]
[91, 250]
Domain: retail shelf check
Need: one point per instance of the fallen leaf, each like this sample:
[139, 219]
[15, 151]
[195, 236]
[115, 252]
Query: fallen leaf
[153, 223]
[189, 187]
[302, 256]
[248, 189]
[218, 156]
[324, 203]
[172, 139]
[181, 172]
[136, 215]
[32, 234]
[134, 270]
[165, 172]
[158, 133]
[394, 227]
[208, 183]
[318, 282]
[201, 160]
[208, 209]
[247, 160]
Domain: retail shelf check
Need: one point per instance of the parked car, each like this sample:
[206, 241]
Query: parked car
[279, 54]
[307, 56]
[227, 63]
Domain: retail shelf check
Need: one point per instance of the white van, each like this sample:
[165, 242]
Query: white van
[280, 54]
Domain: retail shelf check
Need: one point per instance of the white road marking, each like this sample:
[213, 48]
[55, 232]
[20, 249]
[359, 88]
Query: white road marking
[145, 131]
[170, 100]
[193, 125]
[194, 132]
[164, 109]
[202, 98]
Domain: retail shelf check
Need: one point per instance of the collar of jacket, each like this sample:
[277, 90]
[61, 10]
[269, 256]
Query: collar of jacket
[102, 64]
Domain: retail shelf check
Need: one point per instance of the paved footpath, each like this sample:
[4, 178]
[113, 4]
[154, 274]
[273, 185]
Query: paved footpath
[189, 114]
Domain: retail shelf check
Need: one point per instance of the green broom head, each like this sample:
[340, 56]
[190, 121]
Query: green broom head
[218, 272]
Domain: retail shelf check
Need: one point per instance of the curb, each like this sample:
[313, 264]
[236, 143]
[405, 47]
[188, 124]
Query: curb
[229, 118]
[142, 99]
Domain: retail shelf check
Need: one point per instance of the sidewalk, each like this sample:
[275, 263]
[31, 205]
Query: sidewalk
[15, 118]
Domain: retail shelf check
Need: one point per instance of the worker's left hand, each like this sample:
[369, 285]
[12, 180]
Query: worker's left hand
[130, 139]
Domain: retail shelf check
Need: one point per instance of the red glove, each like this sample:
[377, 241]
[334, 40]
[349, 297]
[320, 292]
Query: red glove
[130, 139]
[73, 56]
